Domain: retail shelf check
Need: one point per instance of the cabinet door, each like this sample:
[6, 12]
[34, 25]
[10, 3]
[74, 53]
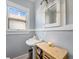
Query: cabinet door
[38, 53]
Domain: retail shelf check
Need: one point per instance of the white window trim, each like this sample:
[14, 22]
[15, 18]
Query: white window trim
[9, 3]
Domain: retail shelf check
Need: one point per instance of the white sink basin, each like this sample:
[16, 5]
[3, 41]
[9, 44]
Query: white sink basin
[32, 41]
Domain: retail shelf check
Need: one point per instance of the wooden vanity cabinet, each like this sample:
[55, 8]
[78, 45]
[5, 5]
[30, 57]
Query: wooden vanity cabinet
[44, 51]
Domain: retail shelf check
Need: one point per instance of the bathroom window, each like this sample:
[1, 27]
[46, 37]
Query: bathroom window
[17, 18]
[52, 14]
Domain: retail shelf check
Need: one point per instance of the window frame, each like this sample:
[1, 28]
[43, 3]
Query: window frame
[9, 3]
[58, 20]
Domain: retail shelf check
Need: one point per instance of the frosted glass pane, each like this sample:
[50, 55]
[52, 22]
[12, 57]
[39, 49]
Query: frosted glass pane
[51, 15]
[13, 24]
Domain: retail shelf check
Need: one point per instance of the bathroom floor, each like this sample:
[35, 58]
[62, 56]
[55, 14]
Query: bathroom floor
[25, 56]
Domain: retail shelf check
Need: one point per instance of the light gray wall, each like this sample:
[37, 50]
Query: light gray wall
[61, 38]
[15, 43]
[69, 11]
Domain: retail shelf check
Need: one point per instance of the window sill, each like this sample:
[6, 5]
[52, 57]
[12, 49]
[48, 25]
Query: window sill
[66, 27]
[63, 28]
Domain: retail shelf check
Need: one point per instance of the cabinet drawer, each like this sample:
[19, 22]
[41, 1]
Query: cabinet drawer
[47, 56]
